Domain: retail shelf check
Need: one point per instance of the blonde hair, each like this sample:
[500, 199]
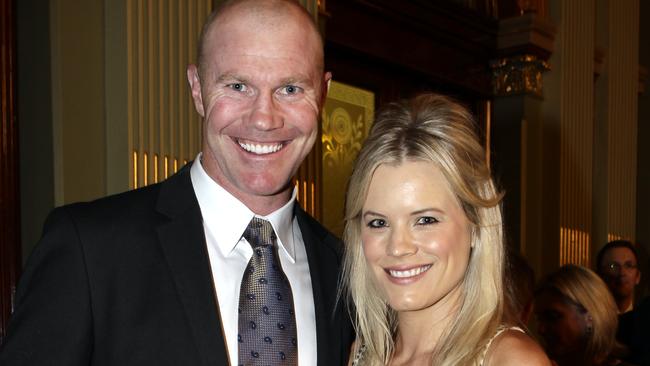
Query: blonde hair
[430, 128]
[585, 289]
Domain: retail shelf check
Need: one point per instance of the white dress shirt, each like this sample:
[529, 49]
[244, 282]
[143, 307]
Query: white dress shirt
[224, 220]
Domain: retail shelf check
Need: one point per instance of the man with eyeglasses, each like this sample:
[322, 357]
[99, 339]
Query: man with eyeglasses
[617, 265]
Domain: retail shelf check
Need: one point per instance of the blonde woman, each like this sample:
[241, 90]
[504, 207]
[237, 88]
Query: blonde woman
[577, 318]
[424, 245]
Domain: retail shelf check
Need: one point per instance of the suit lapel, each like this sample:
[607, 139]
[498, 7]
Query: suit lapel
[183, 243]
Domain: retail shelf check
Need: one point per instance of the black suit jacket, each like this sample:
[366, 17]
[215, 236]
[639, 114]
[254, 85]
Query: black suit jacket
[126, 280]
[634, 333]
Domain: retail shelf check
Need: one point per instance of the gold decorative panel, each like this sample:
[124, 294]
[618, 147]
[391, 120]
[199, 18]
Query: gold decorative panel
[347, 118]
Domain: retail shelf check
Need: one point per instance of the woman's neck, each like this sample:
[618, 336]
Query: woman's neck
[420, 331]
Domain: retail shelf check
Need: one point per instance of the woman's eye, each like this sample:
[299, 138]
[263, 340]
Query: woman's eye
[427, 220]
[376, 223]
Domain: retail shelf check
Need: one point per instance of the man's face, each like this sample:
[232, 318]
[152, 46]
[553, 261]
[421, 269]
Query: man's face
[260, 95]
[619, 270]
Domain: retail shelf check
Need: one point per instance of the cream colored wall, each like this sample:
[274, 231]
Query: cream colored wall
[582, 154]
[617, 96]
[571, 111]
[578, 143]
[77, 61]
[120, 99]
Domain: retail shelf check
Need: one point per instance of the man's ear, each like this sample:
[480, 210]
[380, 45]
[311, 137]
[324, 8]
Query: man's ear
[638, 277]
[195, 86]
[327, 79]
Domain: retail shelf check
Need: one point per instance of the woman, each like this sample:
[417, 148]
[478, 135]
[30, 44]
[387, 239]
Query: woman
[424, 248]
[577, 318]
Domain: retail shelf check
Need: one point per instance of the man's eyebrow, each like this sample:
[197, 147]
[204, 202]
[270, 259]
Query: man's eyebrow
[228, 76]
[298, 79]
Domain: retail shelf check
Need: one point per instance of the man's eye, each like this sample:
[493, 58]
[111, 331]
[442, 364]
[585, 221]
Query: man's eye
[290, 90]
[237, 87]
[376, 223]
[427, 220]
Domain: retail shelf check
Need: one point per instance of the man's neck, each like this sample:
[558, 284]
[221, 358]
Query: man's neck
[625, 304]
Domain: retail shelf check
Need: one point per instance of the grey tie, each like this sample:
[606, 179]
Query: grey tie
[267, 325]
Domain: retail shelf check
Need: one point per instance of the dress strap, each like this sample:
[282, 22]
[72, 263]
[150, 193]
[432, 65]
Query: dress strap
[500, 330]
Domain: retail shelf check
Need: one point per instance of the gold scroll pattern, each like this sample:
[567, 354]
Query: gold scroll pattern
[347, 118]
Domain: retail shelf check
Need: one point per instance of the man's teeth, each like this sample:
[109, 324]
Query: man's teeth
[260, 149]
[410, 272]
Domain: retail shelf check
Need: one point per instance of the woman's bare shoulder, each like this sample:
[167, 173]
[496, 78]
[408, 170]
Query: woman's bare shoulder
[514, 347]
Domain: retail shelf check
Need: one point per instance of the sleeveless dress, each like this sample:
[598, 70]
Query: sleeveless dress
[358, 356]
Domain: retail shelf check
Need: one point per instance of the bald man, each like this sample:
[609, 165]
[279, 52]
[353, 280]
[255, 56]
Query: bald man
[153, 276]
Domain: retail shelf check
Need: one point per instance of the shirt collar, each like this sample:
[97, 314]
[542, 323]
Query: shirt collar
[226, 218]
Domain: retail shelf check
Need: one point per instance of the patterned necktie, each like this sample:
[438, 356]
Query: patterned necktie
[267, 325]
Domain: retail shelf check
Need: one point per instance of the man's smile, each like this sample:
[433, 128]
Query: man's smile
[260, 148]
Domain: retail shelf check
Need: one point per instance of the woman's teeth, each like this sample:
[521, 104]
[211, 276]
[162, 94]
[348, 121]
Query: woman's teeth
[410, 272]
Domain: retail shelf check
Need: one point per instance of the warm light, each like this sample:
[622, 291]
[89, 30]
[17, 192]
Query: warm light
[298, 190]
[613, 237]
[574, 247]
[135, 169]
[313, 199]
[155, 168]
[144, 170]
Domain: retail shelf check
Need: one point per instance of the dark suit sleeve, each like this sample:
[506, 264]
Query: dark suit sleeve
[52, 322]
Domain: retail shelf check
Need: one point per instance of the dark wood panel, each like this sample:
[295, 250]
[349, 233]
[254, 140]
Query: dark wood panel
[399, 48]
[9, 197]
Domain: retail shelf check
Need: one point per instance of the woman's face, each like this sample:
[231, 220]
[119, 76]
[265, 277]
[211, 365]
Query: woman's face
[416, 237]
[561, 324]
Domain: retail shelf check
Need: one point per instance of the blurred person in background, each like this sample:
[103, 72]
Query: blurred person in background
[577, 319]
[519, 285]
[617, 264]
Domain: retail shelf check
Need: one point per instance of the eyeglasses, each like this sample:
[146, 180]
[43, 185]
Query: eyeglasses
[615, 268]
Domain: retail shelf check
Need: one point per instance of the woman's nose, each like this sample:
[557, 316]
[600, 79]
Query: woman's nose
[401, 243]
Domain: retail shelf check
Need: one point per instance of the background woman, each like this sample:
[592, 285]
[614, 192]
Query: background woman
[424, 244]
[577, 318]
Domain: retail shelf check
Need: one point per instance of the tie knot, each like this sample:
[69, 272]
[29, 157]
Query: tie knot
[259, 232]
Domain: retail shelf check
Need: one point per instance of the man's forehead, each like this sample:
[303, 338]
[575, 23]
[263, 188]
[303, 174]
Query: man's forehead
[259, 17]
[619, 253]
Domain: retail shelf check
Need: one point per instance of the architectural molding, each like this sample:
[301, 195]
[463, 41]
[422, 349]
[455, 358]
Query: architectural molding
[521, 74]
[524, 43]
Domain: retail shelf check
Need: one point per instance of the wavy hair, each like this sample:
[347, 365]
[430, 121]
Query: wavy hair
[430, 128]
[585, 289]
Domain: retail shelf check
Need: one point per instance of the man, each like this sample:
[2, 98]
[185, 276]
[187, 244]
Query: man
[617, 265]
[153, 276]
